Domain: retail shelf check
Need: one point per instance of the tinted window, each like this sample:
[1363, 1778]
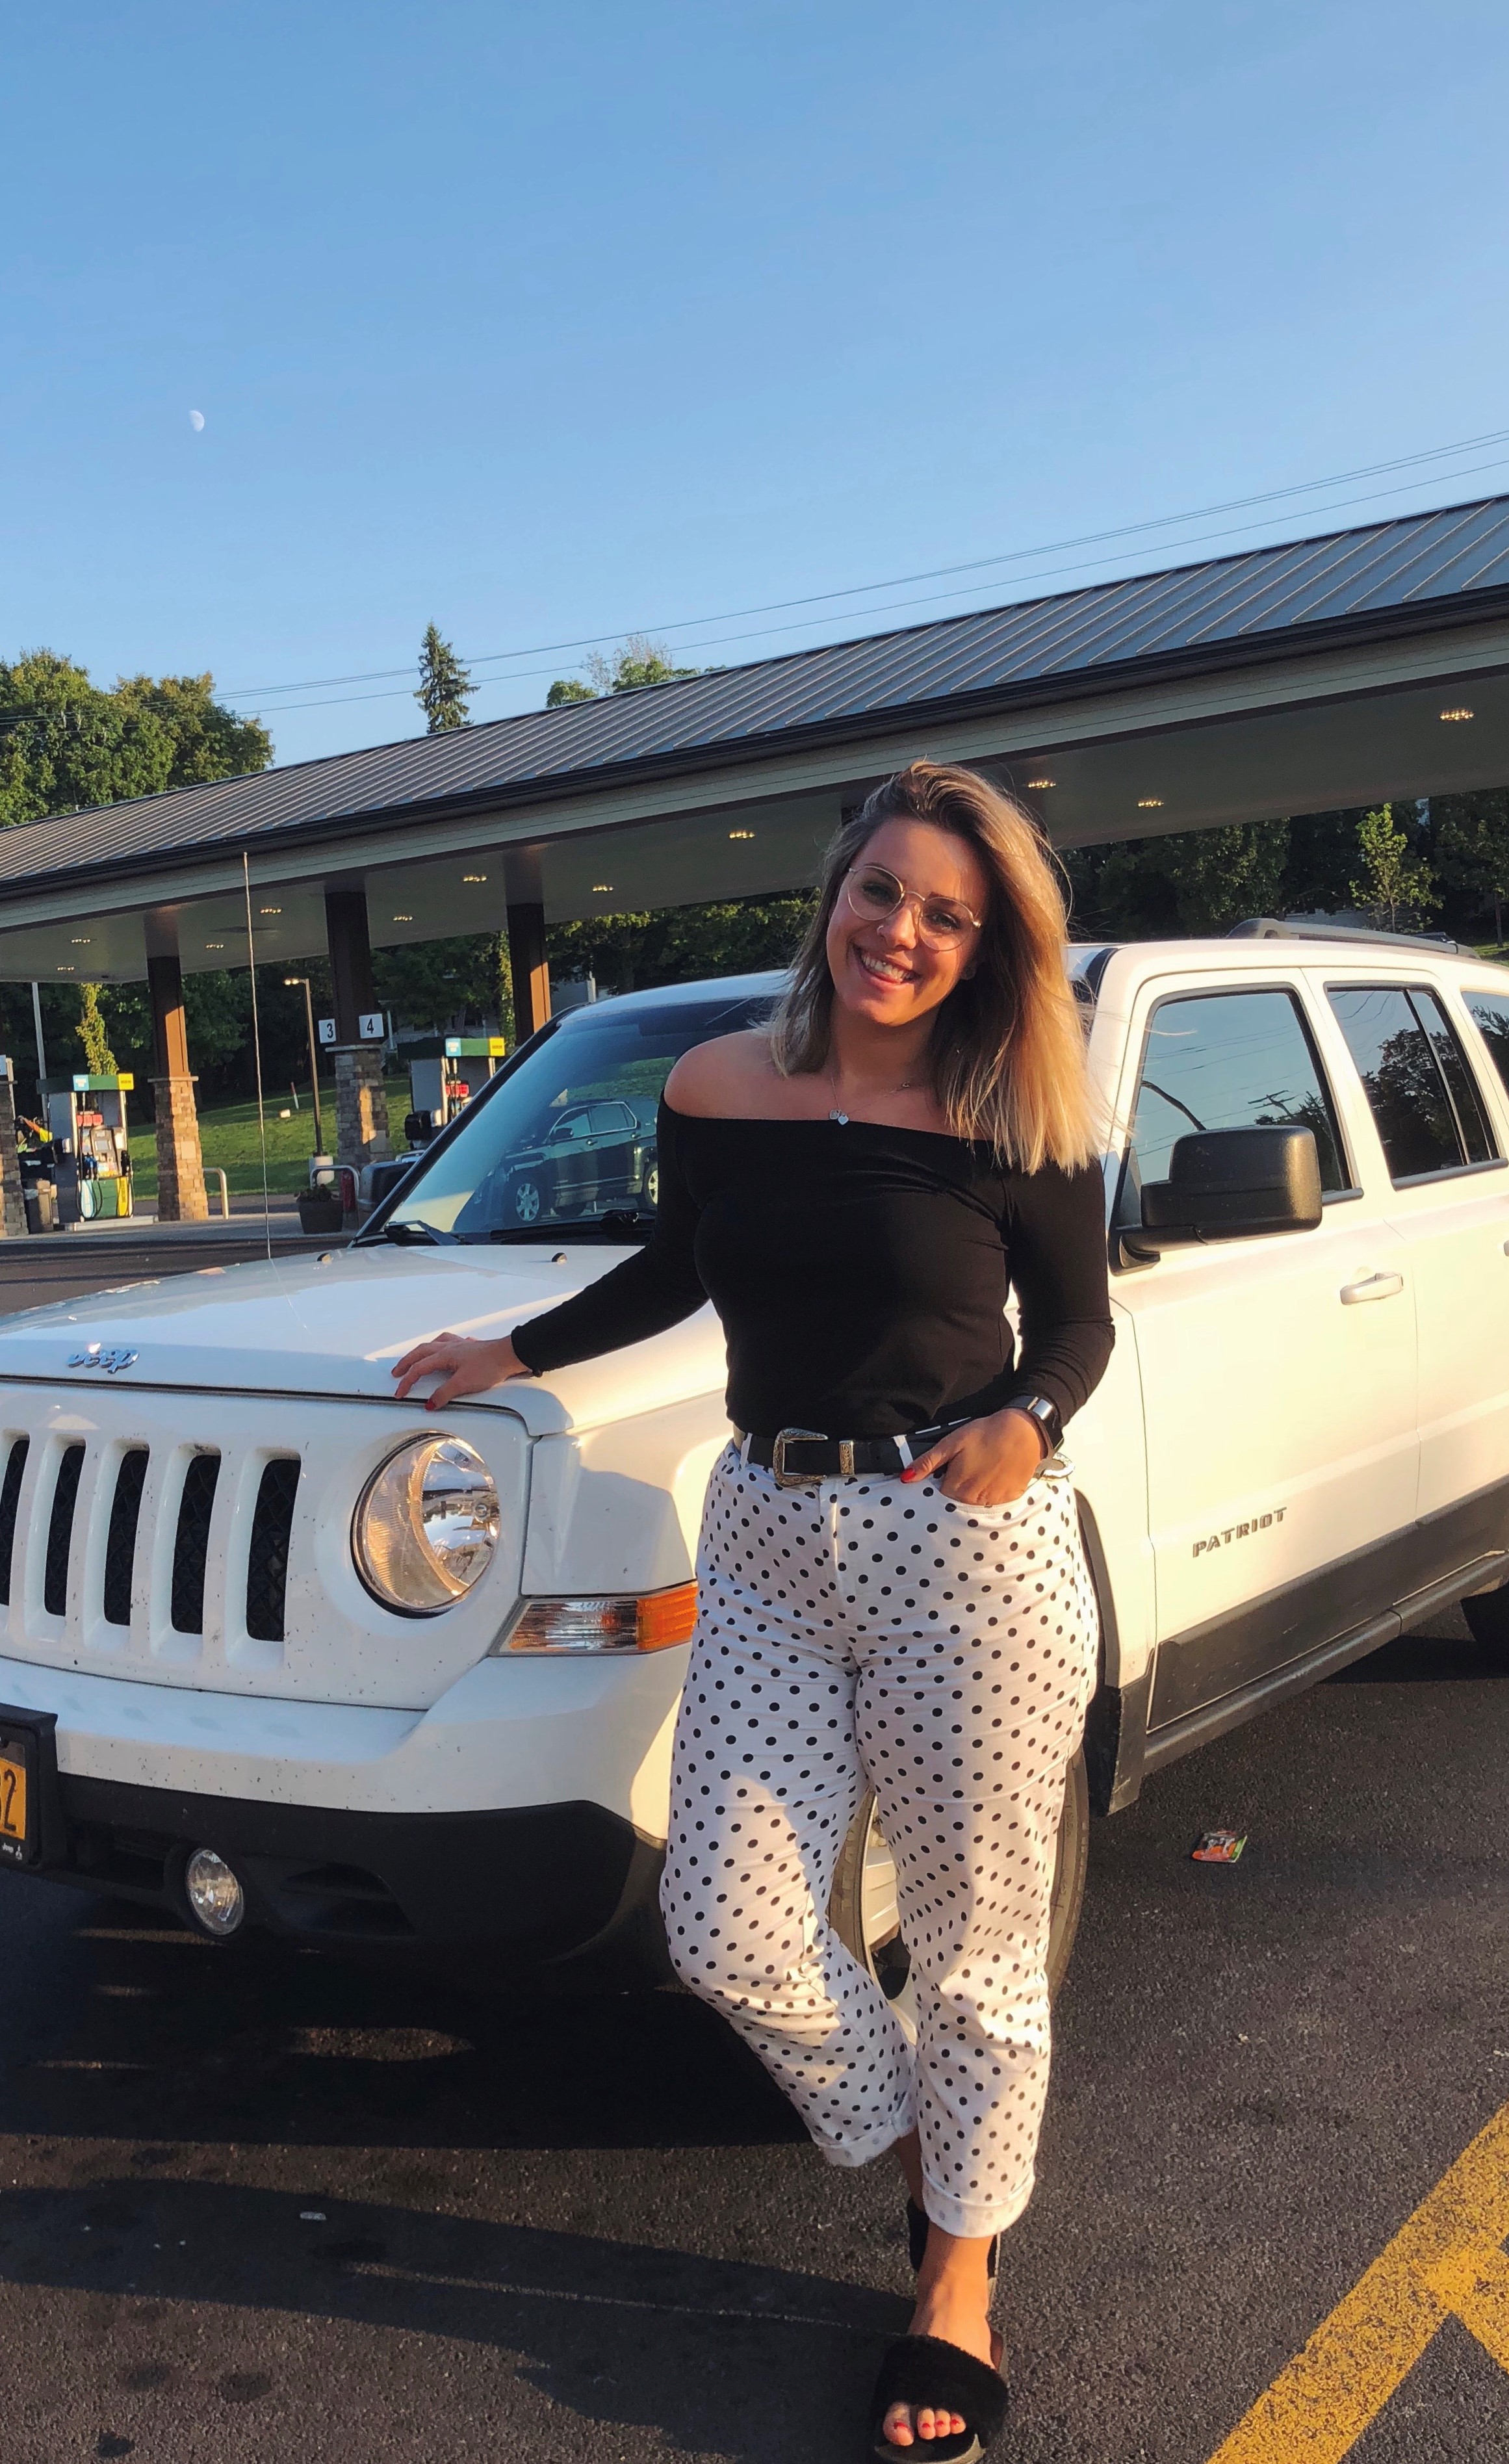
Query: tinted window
[1422, 1100]
[1231, 1060]
[526, 1161]
[1491, 1010]
[1461, 1086]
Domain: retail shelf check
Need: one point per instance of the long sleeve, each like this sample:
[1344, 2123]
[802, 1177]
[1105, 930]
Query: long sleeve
[1057, 1233]
[646, 1294]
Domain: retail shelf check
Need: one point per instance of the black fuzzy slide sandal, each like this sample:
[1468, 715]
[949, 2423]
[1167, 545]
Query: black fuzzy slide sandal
[923, 2370]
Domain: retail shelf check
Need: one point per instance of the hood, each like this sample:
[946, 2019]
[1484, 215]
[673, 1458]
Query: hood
[334, 1325]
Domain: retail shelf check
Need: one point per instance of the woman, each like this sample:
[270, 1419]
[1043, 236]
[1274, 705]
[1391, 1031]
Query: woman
[892, 1588]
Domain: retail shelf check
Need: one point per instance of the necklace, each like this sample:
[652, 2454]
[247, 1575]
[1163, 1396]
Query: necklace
[903, 1087]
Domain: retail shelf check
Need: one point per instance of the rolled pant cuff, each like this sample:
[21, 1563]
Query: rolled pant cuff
[864, 2151]
[974, 2219]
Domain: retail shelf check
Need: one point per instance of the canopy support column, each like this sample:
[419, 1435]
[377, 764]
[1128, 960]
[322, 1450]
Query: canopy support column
[526, 941]
[181, 1197]
[361, 1129]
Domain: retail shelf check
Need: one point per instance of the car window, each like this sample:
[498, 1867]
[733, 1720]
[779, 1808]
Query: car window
[1460, 1084]
[1491, 1013]
[513, 1168]
[1423, 1101]
[1231, 1060]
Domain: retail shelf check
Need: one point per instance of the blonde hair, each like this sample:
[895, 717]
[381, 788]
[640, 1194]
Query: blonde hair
[1007, 1057]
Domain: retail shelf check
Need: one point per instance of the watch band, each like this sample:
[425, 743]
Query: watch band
[1050, 1428]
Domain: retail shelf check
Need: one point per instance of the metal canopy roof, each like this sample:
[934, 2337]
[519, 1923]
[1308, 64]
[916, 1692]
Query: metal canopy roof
[1412, 577]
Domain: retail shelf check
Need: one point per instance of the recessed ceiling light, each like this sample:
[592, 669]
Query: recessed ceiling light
[741, 834]
[79, 941]
[1150, 803]
[1456, 713]
[473, 876]
[403, 919]
[1042, 782]
[269, 911]
[215, 945]
[600, 888]
[67, 971]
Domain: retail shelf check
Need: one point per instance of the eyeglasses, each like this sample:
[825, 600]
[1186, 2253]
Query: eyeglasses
[872, 894]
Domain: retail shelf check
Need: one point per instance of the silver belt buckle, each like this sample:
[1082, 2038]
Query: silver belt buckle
[785, 1479]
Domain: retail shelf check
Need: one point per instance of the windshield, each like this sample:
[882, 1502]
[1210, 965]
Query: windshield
[566, 1139]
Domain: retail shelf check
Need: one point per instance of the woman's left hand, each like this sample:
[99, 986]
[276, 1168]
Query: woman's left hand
[985, 1463]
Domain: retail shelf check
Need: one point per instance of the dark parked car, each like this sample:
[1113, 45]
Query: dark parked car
[593, 1159]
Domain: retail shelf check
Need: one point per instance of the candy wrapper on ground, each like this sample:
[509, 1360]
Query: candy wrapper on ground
[1218, 1847]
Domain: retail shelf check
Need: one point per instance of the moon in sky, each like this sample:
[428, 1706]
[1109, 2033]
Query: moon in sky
[196, 420]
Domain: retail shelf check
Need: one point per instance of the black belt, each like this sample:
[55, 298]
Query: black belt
[797, 1456]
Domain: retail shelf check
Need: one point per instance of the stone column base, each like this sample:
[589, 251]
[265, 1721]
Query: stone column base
[179, 1160]
[362, 1132]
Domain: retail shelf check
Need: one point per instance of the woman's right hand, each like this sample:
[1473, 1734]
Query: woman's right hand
[464, 1365]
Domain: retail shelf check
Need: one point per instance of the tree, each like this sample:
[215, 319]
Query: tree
[1396, 882]
[1470, 853]
[66, 744]
[639, 662]
[1191, 881]
[677, 944]
[99, 1059]
[445, 685]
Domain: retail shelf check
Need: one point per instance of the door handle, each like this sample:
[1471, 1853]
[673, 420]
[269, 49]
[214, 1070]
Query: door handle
[1371, 1287]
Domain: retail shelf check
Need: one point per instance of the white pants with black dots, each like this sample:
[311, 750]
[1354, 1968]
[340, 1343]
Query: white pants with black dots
[854, 1630]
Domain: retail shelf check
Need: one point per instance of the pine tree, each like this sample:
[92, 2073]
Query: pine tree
[445, 685]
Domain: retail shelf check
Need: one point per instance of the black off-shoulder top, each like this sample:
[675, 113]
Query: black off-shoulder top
[861, 1273]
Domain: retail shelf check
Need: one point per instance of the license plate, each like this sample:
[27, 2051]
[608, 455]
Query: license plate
[12, 1802]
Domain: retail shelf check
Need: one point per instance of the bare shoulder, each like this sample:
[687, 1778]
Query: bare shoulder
[733, 1074]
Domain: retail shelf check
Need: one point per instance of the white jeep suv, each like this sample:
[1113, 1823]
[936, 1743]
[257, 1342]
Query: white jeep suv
[276, 1649]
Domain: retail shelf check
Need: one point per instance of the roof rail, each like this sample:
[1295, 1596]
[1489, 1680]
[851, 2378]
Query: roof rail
[1272, 927]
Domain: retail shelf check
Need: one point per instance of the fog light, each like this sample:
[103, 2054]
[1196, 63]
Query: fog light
[214, 1896]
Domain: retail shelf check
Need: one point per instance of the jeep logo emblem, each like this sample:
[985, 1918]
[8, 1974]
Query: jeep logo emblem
[94, 1358]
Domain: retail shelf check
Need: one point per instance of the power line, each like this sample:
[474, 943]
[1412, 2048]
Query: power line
[930, 599]
[901, 581]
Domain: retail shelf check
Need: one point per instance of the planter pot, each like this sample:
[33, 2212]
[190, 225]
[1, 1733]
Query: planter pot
[320, 1215]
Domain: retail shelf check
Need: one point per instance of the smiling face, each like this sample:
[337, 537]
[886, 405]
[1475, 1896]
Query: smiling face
[884, 970]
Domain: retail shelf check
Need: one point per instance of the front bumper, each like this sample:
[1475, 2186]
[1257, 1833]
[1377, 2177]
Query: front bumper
[521, 1817]
[529, 1888]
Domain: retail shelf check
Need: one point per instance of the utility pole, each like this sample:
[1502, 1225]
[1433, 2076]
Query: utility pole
[41, 1047]
[313, 1059]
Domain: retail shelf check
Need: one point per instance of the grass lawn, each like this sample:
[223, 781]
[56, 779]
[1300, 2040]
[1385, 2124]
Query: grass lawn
[229, 1135]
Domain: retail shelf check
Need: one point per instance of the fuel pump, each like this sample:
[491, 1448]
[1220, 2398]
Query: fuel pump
[445, 1076]
[86, 1126]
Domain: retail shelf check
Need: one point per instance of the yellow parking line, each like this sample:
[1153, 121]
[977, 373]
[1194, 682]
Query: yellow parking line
[1448, 2261]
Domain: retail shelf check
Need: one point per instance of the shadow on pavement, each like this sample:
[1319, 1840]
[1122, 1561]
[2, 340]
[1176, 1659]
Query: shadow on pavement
[744, 2361]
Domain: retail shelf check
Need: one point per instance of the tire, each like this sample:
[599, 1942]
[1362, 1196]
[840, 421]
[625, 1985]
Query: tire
[863, 1907]
[527, 1201]
[651, 1185]
[1488, 1621]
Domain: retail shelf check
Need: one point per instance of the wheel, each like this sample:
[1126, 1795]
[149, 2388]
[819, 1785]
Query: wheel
[652, 1185]
[1488, 1621]
[527, 1199]
[863, 1906]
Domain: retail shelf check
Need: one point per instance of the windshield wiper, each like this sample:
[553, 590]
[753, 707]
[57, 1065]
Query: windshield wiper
[409, 1231]
[618, 1227]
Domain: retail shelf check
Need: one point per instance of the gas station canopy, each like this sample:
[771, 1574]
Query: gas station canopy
[1325, 673]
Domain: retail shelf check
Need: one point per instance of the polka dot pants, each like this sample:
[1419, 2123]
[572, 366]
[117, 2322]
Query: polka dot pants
[859, 1630]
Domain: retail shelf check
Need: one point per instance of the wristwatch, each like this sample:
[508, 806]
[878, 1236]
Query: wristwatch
[1050, 1428]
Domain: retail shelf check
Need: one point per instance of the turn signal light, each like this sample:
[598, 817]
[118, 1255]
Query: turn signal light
[654, 1622]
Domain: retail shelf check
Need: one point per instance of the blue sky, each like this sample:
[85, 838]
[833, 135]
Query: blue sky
[547, 322]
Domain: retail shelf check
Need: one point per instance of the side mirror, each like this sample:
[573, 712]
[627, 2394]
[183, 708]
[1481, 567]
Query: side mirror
[1231, 1185]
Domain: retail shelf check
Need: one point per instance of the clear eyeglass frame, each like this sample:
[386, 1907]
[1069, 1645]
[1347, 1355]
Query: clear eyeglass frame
[942, 924]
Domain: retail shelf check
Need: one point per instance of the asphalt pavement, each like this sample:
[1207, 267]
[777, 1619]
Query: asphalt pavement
[254, 2201]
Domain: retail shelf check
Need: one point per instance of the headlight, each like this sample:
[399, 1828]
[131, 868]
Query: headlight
[426, 1526]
